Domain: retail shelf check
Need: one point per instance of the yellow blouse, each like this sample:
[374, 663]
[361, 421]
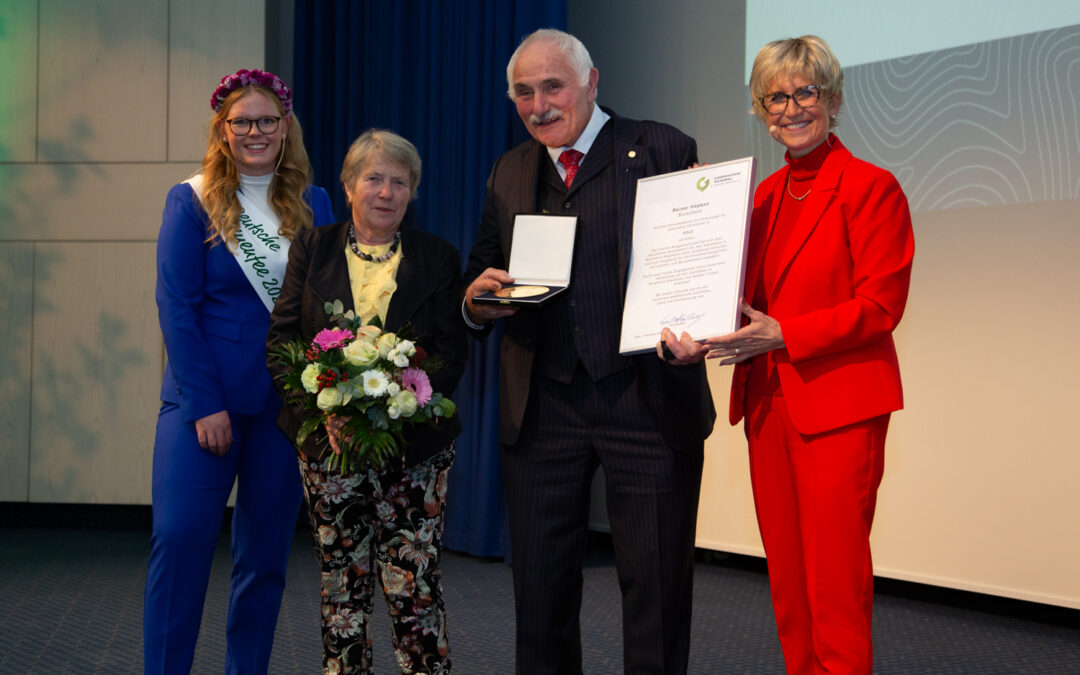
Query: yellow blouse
[372, 283]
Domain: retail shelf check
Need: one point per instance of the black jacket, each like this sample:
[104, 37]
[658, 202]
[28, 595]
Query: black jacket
[427, 299]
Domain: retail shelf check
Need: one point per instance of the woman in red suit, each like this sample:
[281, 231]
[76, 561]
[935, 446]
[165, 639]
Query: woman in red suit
[816, 373]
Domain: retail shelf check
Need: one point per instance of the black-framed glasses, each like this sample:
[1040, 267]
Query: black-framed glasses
[804, 97]
[241, 126]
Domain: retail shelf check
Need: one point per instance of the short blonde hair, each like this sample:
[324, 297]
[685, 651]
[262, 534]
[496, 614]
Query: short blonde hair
[381, 143]
[808, 56]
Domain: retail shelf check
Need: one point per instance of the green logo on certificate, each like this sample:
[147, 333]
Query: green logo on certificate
[702, 183]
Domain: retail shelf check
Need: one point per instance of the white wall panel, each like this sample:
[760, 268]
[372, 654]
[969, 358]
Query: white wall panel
[199, 58]
[980, 478]
[85, 201]
[18, 73]
[16, 282]
[103, 85]
[121, 97]
[97, 373]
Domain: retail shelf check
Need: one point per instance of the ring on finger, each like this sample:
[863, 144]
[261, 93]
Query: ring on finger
[736, 351]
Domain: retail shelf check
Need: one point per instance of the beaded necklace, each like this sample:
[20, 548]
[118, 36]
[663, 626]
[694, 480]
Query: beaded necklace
[367, 256]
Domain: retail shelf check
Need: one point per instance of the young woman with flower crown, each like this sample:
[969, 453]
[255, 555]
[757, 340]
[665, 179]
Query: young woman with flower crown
[377, 524]
[221, 255]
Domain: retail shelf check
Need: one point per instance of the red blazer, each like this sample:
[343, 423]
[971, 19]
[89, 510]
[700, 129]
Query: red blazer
[840, 293]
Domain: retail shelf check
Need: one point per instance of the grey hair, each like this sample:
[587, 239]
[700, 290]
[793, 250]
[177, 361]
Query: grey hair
[570, 46]
[381, 143]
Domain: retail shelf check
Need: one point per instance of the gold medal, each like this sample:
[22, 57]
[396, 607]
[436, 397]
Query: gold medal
[521, 291]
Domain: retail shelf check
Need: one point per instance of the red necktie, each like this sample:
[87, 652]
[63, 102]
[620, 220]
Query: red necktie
[571, 159]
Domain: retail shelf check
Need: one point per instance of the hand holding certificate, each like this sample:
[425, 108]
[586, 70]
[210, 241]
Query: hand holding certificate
[686, 271]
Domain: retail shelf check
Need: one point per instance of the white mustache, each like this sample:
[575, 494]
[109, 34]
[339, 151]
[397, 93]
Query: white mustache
[546, 117]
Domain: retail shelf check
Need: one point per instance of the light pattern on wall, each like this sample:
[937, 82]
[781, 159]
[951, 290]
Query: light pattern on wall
[987, 124]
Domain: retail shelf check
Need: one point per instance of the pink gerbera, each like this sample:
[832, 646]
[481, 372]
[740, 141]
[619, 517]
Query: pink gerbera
[416, 381]
[332, 338]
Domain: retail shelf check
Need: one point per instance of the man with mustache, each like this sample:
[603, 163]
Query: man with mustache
[569, 402]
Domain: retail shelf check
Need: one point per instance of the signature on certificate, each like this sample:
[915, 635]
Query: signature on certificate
[683, 320]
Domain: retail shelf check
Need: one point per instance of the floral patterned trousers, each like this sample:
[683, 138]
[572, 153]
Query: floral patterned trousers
[390, 521]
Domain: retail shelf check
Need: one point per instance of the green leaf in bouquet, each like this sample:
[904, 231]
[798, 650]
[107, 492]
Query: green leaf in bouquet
[365, 446]
[379, 418]
[309, 425]
[289, 353]
[442, 406]
[348, 390]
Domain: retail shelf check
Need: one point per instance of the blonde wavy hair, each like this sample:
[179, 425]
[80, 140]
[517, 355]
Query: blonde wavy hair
[221, 180]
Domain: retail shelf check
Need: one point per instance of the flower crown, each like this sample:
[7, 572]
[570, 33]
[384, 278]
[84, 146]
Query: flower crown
[243, 78]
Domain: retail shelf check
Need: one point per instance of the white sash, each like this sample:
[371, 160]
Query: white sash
[261, 252]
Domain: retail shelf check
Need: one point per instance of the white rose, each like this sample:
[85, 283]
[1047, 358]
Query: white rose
[329, 398]
[393, 388]
[368, 333]
[405, 402]
[309, 378]
[386, 342]
[360, 353]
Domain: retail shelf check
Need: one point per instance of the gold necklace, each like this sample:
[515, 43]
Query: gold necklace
[798, 199]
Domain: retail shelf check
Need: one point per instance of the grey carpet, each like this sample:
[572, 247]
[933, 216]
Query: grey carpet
[71, 602]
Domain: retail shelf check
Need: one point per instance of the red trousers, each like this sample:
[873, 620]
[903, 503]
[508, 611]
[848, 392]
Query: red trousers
[815, 498]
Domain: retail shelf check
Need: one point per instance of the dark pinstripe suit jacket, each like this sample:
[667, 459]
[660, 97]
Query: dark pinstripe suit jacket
[678, 397]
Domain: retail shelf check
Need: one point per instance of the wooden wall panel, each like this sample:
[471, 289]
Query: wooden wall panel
[95, 202]
[97, 373]
[199, 58]
[18, 73]
[16, 280]
[103, 83]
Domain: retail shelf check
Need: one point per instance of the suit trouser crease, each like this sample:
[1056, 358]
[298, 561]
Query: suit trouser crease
[652, 497]
[815, 497]
[191, 487]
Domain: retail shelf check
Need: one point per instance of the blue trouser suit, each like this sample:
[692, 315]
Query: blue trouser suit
[190, 489]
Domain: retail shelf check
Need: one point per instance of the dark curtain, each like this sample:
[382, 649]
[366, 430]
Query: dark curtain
[435, 73]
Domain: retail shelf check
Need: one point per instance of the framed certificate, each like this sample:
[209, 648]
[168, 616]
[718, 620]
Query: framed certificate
[691, 230]
[541, 257]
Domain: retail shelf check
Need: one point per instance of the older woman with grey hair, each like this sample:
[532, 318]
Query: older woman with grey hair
[378, 521]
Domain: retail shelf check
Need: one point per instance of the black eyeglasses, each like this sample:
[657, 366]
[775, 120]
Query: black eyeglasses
[241, 126]
[776, 102]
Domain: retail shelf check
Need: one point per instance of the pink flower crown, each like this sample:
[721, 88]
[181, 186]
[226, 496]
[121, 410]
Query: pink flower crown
[243, 78]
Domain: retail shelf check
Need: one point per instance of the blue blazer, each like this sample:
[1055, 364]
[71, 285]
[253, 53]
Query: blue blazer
[213, 322]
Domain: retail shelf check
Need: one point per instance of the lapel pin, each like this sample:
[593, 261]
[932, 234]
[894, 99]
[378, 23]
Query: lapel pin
[632, 154]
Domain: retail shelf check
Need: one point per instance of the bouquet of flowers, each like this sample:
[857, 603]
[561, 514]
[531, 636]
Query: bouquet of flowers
[374, 380]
